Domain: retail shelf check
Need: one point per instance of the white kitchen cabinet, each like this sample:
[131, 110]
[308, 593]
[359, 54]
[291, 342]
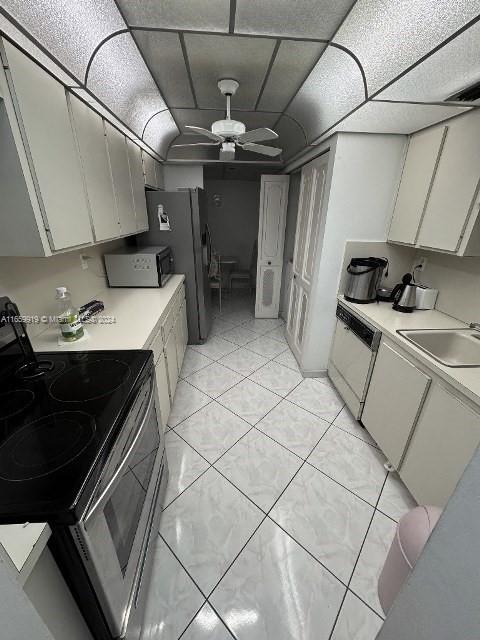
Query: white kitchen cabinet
[37, 113]
[138, 186]
[454, 187]
[170, 349]
[122, 185]
[160, 180]
[150, 177]
[180, 334]
[419, 169]
[394, 400]
[90, 135]
[444, 440]
[271, 236]
[163, 388]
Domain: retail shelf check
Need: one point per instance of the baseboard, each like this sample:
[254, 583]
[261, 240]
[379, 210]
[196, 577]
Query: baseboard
[319, 373]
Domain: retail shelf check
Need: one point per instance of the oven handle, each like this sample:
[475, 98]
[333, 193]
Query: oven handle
[106, 493]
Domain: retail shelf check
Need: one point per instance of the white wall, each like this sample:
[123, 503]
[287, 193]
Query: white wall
[365, 172]
[182, 176]
[234, 225]
[31, 282]
[440, 600]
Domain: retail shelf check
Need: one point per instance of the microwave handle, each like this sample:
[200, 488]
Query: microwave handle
[110, 488]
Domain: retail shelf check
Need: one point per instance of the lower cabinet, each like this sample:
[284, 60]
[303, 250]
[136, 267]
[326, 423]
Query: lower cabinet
[394, 399]
[163, 388]
[445, 438]
[181, 335]
[172, 363]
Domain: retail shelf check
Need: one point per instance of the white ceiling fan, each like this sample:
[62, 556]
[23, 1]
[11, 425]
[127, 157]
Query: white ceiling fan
[229, 133]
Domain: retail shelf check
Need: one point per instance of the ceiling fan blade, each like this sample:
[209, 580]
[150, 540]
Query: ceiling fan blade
[257, 135]
[262, 148]
[205, 132]
[197, 144]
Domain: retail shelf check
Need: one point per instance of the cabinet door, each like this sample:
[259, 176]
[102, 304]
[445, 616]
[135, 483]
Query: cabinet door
[394, 399]
[454, 187]
[149, 169]
[41, 107]
[138, 186]
[180, 336]
[444, 440]
[163, 388]
[91, 141]
[271, 236]
[122, 185]
[172, 363]
[160, 180]
[352, 357]
[418, 172]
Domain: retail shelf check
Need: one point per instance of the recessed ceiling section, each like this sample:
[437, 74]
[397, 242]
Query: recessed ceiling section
[163, 54]
[215, 57]
[69, 31]
[391, 117]
[120, 79]
[334, 87]
[451, 69]
[198, 15]
[160, 132]
[293, 62]
[299, 19]
[389, 36]
[291, 136]
[196, 117]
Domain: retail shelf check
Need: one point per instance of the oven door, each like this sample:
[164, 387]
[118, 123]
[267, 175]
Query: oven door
[113, 534]
[165, 266]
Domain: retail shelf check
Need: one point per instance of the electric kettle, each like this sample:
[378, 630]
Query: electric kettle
[404, 295]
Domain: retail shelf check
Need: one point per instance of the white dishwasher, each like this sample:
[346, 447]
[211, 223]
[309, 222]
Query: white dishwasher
[353, 353]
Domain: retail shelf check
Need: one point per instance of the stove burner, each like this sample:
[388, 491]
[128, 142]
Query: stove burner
[42, 447]
[14, 402]
[90, 381]
[34, 369]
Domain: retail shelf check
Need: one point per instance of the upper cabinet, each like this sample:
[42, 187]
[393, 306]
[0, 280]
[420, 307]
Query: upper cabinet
[39, 113]
[437, 203]
[68, 178]
[92, 147]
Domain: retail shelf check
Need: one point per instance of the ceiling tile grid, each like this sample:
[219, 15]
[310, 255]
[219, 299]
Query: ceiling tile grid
[388, 36]
[201, 15]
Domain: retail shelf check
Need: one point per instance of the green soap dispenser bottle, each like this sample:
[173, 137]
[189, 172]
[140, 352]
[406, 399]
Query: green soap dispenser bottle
[68, 316]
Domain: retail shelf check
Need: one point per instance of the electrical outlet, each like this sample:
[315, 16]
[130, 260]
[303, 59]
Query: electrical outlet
[84, 261]
[420, 264]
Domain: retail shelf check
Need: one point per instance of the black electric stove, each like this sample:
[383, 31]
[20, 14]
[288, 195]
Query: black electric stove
[59, 417]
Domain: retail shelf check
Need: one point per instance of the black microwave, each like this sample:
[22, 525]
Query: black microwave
[139, 266]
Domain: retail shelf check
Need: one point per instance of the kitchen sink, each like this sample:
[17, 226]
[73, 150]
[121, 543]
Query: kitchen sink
[451, 347]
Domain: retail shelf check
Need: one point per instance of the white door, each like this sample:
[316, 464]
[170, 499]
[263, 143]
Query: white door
[271, 238]
[310, 206]
[90, 135]
[122, 184]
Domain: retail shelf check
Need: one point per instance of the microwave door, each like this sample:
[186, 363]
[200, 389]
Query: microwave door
[111, 535]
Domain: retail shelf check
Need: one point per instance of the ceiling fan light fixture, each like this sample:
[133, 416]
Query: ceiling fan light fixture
[227, 152]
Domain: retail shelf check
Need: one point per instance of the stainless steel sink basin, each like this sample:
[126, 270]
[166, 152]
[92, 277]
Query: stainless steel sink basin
[451, 347]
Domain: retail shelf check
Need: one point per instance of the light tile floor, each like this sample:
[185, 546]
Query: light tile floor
[279, 511]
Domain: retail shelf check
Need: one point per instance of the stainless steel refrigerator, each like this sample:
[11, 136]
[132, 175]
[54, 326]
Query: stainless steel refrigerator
[190, 240]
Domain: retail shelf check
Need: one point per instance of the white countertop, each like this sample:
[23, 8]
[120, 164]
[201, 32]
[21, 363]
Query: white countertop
[383, 317]
[137, 313]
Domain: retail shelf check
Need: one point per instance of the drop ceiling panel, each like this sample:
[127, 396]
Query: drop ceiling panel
[202, 15]
[449, 70]
[214, 57]
[333, 88]
[388, 117]
[291, 136]
[389, 36]
[301, 18]
[69, 33]
[164, 57]
[160, 132]
[292, 64]
[119, 78]
[255, 119]
[196, 117]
